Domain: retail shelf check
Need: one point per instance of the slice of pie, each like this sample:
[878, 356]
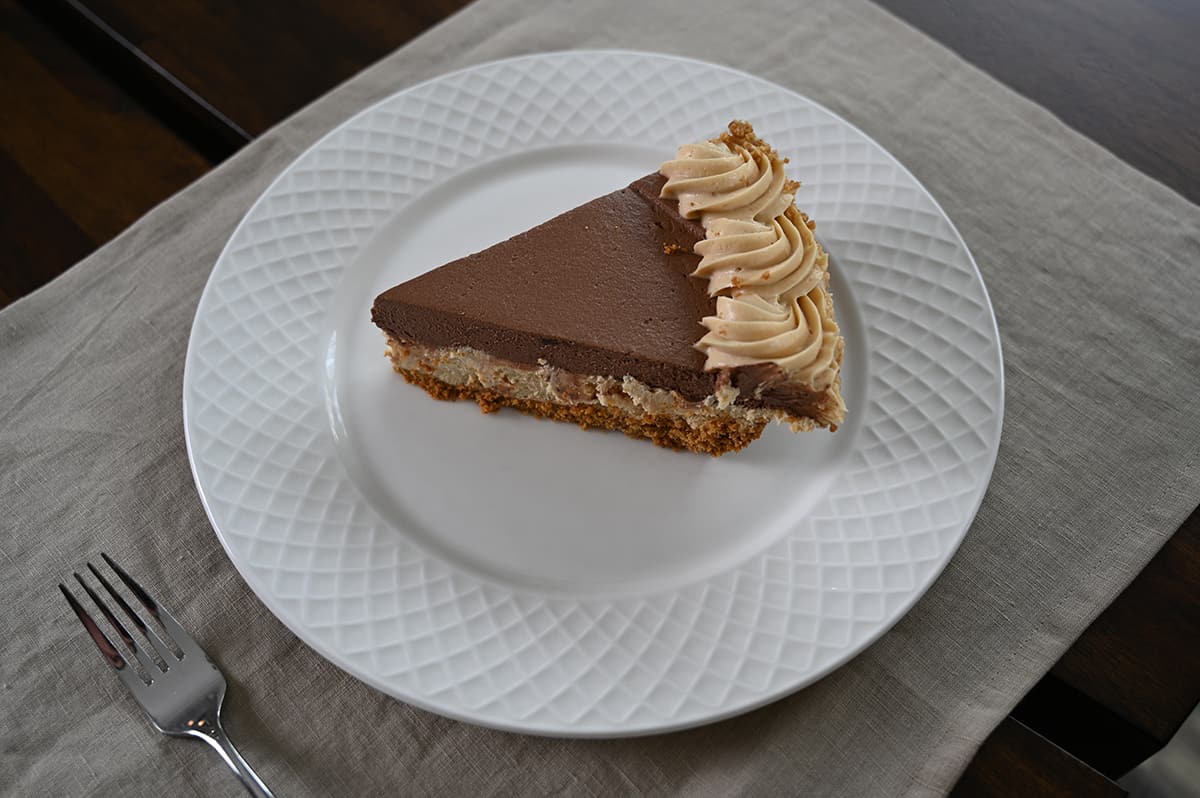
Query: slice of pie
[690, 308]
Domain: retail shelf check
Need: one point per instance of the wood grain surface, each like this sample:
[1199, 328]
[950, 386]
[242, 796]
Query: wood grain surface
[1016, 762]
[1124, 72]
[257, 62]
[73, 160]
[1132, 678]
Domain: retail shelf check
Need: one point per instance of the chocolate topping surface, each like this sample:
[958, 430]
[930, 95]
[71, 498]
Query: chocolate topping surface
[600, 289]
[590, 291]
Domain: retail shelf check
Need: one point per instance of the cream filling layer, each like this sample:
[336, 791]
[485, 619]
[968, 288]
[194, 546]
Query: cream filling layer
[463, 367]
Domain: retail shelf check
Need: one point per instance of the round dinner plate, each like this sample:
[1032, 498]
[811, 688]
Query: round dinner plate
[530, 575]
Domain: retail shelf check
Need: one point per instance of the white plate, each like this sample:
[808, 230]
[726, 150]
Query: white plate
[529, 575]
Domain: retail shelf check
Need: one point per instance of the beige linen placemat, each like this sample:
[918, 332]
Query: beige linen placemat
[1090, 267]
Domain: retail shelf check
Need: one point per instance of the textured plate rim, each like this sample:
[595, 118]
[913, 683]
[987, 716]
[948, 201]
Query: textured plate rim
[331, 655]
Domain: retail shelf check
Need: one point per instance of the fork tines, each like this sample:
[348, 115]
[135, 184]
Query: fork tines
[170, 676]
[164, 654]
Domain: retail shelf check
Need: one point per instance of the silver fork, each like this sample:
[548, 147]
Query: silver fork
[183, 693]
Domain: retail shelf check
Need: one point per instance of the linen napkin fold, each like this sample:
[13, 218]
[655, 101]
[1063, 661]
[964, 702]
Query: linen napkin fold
[1089, 265]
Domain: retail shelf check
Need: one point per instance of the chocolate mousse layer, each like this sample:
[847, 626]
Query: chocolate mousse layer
[601, 289]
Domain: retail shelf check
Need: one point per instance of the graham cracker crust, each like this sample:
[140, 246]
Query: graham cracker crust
[715, 436]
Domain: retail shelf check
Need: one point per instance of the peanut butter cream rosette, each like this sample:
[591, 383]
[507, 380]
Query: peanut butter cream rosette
[761, 260]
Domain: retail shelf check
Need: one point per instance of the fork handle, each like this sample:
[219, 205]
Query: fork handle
[221, 743]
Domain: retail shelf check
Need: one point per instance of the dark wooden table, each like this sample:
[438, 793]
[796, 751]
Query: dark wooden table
[113, 105]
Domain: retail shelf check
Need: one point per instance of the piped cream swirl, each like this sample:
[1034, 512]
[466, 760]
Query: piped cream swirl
[712, 180]
[760, 258]
[795, 334]
[776, 260]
